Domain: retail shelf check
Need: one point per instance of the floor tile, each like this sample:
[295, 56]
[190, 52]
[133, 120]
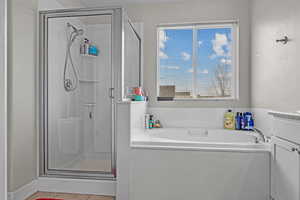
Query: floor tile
[68, 196]
[96, 197]
[41, 195]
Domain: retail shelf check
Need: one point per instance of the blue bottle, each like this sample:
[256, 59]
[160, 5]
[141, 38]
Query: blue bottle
[243, 121]
[251, 124]
[249, 121]
[238, 121]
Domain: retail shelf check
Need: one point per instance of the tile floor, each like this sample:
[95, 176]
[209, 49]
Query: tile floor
[67, 196]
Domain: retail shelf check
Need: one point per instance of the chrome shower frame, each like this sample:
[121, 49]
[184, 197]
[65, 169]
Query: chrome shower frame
[117, 64]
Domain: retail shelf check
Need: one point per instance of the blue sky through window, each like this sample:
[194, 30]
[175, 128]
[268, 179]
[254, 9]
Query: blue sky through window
[213, 50]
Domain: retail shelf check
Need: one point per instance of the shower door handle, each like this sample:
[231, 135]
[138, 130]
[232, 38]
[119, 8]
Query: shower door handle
[111, 93]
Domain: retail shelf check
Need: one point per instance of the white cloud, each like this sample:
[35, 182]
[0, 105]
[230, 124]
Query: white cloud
[163, 55]
[213, 56]
[171, 67]
[200, 43]
[219, 44]
[185, 56]
[162, 39]
[204, 71]
[226, 61]
[191, 70]
[229, 48]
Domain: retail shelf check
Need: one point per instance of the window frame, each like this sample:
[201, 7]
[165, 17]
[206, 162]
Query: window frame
[234, 25]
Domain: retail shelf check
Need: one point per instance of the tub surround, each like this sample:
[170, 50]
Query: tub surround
[196, 120]
[286, 125]
[176, 174]
[192, 117]
[143, 160]
[285, 115]
[130, 119]
[263, 121]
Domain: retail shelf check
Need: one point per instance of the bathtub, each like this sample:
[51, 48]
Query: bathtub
[214, 163]
[199, 138]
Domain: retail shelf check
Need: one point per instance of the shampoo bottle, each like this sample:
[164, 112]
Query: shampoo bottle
[229, 120]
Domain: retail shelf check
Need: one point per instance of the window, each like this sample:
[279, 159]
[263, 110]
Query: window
[197, 61]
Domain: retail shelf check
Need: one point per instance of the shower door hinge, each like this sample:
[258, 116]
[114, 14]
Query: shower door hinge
[111, 93]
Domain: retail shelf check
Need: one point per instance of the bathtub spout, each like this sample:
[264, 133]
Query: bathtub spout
[260, 133]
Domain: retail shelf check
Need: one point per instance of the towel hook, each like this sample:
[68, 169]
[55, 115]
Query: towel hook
[283, 40]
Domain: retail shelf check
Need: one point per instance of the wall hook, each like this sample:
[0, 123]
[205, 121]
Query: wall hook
[284, 40]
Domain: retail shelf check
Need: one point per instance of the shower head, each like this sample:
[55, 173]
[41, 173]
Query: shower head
[71, 26]
[75, 30]
[74, 35]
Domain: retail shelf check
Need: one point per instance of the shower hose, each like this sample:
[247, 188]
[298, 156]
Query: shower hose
[70, 85]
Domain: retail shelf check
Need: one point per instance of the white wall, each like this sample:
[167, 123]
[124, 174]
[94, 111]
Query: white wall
[275, 67]
[22, 135]
[152, 14]
[22, 143]
[3, 102]
[49, 5]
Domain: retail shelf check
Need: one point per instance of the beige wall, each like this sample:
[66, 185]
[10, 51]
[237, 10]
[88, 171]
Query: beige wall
[153, 14]
[22, 142]
[3, 101]
[275, 67]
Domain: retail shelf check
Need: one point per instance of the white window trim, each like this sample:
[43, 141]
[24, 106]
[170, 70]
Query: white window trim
[234, 24]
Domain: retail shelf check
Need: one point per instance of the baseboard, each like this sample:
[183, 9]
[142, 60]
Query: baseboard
[24, 192]
[81, 186]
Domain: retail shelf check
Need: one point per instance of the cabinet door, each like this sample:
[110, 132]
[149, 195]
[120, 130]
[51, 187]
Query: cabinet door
[285, 171]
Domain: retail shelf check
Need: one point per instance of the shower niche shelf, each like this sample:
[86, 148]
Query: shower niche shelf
[89, 104]
[88, 55]
[88, 81]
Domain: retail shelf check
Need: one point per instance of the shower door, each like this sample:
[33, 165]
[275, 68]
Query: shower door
[77, 82]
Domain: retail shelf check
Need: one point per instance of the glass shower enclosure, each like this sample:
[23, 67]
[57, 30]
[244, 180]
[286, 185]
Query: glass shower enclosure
[87, 57]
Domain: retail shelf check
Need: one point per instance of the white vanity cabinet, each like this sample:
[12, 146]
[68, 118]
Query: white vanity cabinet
[285, 170]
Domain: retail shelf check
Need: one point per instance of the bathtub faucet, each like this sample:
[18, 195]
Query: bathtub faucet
[260, 133]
